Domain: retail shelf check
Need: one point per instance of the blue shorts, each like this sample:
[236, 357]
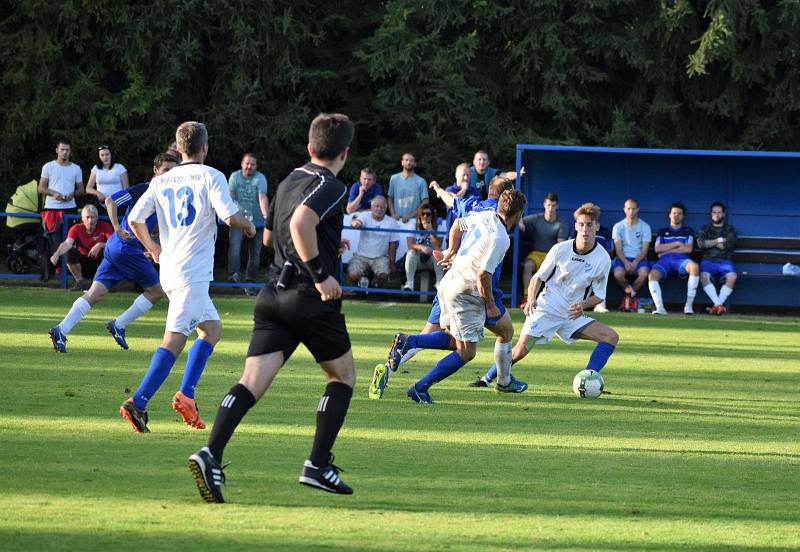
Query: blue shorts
[433, 317]
[715, 268]
[672, 263]
[644, 263]
[126, 264]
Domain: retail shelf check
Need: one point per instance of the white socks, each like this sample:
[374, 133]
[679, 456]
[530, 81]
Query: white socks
[691, 290]
[724, 293]
[80, 308]
[712, 293]
[655, 293]
[502, 360]
[140, 306]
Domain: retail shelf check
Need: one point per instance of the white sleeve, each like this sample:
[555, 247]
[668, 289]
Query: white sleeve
[143, 208]
[548, 264]
[647, 234]
[220, 196]
[600, 282]
[497, 250]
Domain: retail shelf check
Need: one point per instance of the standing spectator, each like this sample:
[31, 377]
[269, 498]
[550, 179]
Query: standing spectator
[363, 192]
[106, 178]
[249, 189]
[717, 240]
[632, 237]
[673, 246]
[422, 246]
[376, 250]
[481, 174]
[61, 183]
[542, 231]
[407, 190]
[84, 246]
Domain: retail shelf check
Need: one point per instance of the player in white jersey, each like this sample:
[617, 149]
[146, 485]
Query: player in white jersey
[575, 275]
[465, 293]
[187, 201]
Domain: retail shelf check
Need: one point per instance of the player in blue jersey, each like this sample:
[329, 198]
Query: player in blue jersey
[404, 347]
[123, 259]
[673, 246]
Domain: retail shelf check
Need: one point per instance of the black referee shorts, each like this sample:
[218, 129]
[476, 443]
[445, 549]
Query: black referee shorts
[285, 318]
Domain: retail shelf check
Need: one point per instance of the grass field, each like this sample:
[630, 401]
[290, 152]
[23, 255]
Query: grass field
[695, 448]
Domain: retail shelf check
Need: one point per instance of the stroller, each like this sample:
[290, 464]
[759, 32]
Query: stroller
[23, 254]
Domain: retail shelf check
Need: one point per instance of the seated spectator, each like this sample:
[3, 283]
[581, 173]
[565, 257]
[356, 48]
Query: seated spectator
[106, 178]
[363, 192]
[632, 237]
[407, 190]
[673, 246]
[542, 231]
[84, 246]
[376, 250]
[248, 187]
[422, 246]
[717, 241]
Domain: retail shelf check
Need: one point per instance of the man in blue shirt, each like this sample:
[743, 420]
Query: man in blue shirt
[124, 259]
[363, 192]
[248, 188]
[673, 246]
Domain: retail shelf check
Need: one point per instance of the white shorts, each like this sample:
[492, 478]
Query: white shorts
[544, 325]
[463, 314]
[189, 306]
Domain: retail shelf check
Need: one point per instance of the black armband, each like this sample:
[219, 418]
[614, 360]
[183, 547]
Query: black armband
[316, 270]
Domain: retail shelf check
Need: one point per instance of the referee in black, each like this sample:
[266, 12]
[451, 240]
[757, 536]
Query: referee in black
[302, 305]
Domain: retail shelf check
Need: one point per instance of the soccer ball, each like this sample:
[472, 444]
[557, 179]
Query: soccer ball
[588, 384]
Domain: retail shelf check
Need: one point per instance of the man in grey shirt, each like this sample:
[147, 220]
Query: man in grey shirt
[543, 230]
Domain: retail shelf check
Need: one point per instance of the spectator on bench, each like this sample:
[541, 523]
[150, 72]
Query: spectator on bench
[673, 246]
[632, 237]
[363, 192]
[422, 246]
[376, 250]
[84, 246]
[543, 230]
[717, 241]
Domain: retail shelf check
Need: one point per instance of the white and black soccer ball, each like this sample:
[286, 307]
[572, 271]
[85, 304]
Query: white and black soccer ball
[588, 384]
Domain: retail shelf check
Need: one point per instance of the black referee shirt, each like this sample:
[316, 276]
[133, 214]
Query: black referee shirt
[318, 189]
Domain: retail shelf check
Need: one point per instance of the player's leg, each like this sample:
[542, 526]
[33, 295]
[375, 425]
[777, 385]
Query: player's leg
[79, 309]
[693, 270]
[136, 268]
[658, 272]
[446, 367]
[606, 339]
[518, 352]
[706, 269]
[726, 289]
[404, 346]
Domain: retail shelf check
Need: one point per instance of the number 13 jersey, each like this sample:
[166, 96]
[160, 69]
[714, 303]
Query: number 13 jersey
[187, 201]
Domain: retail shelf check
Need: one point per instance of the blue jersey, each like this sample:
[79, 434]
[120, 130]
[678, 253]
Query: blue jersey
[464, 206]
[684, 235]
[126, 199]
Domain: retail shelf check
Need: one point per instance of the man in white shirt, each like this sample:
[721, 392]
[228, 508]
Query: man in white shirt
[376, 250]
[632, 237]
[574, 275]
[61, 182]
[187, 201]
[465, 294]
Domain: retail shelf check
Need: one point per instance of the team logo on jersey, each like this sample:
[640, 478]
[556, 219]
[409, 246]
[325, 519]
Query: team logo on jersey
[587, 267]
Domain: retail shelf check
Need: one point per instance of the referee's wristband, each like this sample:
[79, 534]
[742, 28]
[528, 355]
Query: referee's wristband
[316, 270]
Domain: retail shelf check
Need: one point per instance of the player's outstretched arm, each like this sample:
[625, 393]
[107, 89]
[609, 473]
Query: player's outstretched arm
[237, 220]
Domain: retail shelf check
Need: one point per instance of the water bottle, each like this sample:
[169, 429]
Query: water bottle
[363, 283]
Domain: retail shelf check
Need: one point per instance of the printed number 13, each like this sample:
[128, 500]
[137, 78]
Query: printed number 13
[185, 213]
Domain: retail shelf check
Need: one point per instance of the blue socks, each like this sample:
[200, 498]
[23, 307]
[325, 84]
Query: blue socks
[600, 356]
[160, 366]
[491, 374]
[446, 367]
[195, 364]
[435, 340]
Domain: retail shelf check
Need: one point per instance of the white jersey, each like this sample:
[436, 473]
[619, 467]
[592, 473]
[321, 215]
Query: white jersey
[483, 246]
[569, 277]
[187, 200]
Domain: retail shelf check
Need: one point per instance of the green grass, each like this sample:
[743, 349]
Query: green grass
[696, 447]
